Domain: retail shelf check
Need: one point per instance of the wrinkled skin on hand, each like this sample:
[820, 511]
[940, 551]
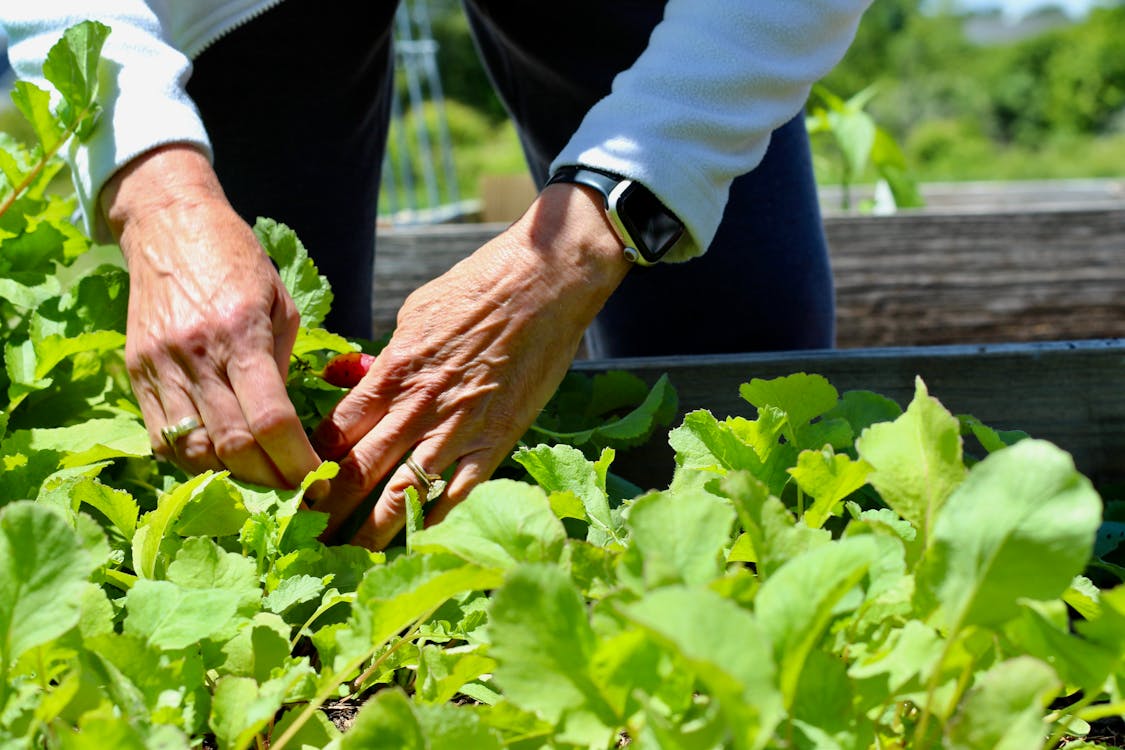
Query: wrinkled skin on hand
[210, 324]
[475, 355]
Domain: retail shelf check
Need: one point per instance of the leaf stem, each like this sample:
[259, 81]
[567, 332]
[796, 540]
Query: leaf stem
[48, 154]
[324, 693]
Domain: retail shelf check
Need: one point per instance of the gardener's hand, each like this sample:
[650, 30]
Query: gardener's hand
[475, 355]
[210, 324]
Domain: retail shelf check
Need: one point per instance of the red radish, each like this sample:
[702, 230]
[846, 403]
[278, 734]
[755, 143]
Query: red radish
[347, 369]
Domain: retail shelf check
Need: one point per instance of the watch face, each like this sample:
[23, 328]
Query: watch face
[648, 222]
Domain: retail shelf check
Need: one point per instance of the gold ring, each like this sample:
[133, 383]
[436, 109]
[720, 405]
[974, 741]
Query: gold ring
[172, 433]
[433, 484]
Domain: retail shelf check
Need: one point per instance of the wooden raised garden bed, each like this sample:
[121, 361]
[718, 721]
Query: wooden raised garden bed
[982, 264]
[1071, 393]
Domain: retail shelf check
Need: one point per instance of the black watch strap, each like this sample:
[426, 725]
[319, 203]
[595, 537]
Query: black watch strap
[645, 226]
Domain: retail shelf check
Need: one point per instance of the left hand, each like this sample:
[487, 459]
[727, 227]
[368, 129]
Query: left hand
[475, 355]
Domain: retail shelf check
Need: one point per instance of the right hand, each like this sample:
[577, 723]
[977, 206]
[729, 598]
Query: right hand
[210, 324]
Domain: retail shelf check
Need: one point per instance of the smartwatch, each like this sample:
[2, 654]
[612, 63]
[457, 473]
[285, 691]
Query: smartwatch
[646, 227]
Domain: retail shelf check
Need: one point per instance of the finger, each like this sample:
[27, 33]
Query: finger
[272, 419]
[164, 407]
[234, 443]
[372, 458]
[350, 420]
[389, 514]
[286, 321]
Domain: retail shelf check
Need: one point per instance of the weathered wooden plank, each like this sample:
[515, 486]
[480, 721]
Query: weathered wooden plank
[917, 279]
[914, 278]
[1071, 393]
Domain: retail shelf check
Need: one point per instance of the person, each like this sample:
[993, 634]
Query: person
[220, 111]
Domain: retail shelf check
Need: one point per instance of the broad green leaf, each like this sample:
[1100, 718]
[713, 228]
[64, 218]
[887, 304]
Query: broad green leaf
[293, 591]
[824, 708]
[260, 646]
[146, 681]
[703, 442]
[829, 478]
[1004, 709]
[563, 468]
[202, 564]
[311, 340]
[797, 603]
[28, 290]
[613, 390]
[117, 506]
[442, 673]
[35, 105]
[98, 730]
[216, 510]
[543, 643]
[52, 350]
[678, 537]
[990, 439]
[727, 649]
[88, 442]
[500, 523]
[906, 658]
[310, 290]
[43, 571]
[861, 409]
[169, 616]
[72, 68]
[1043, 631]
[1021, 526]
[317, 732]
[916, 459]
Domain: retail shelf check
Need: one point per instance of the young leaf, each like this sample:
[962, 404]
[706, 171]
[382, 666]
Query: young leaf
[35, 104]
[72, 68]
[916, 459]
[242, 708]
[829, 478]
[157, 523]
[310, 291]
[562, 468]
[802, 398]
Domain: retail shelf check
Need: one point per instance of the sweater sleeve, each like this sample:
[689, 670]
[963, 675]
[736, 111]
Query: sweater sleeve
[142, 81]
[697, 107]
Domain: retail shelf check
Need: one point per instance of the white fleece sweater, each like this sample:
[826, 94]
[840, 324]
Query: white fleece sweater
[694, 112]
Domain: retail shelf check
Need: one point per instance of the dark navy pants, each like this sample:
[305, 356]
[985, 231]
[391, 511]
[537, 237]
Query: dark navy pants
[297, 102]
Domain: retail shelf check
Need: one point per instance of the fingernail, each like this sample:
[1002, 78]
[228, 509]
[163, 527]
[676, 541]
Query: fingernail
[328, 442]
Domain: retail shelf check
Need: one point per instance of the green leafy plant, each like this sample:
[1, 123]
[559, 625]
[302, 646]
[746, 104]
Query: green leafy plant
[860, 143]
